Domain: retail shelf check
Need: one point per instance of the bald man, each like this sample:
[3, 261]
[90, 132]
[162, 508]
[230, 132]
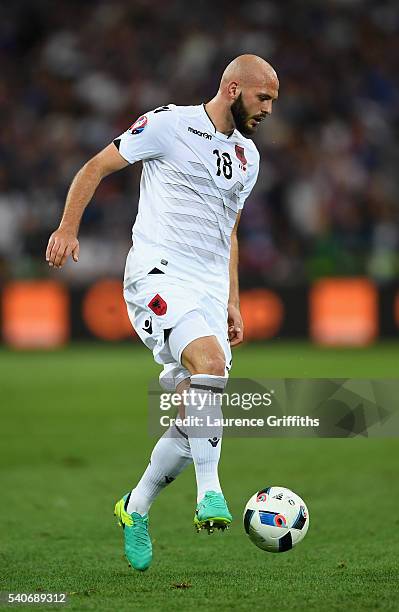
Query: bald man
[181, 279]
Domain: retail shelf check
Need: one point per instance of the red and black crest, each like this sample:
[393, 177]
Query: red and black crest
[158, 305]
[241, 155]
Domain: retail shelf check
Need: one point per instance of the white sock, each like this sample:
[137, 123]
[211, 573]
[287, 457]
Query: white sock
[170, 456]
[205, 441]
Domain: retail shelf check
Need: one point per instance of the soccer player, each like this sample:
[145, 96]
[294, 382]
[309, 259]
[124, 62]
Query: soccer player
[181, 280]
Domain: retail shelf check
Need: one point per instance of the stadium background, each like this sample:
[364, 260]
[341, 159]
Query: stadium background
[326, 202]
[318, 267]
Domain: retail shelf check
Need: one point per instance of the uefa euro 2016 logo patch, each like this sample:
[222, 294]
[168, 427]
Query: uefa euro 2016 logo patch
[138, 126]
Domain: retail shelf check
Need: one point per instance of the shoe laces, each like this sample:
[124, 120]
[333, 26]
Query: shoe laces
[215, 499]
[140, 527]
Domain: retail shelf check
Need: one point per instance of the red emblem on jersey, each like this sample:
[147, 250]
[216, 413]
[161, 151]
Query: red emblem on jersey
[158, 305]
[241, 156]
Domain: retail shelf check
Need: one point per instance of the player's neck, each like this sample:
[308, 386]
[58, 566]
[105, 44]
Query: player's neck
[220, 116]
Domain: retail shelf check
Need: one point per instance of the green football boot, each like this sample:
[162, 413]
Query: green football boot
[212, 513]
[138, 547]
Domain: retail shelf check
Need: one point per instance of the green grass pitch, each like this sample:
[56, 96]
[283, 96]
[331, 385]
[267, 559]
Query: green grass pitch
[74, 439]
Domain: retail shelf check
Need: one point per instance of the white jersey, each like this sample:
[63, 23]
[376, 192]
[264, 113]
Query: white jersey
[194, 182]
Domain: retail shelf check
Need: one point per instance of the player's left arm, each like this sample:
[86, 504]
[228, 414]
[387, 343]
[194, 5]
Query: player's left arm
[235, 324]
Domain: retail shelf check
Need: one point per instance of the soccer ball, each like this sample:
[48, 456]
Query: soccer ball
[276, 519]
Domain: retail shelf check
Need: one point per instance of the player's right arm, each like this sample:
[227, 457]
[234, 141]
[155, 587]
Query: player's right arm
[64, 241]
[151, 136]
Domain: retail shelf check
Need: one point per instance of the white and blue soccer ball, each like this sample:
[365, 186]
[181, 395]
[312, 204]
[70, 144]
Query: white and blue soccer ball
[276, 519]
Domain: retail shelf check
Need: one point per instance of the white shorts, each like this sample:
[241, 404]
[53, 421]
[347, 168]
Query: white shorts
[167, 314]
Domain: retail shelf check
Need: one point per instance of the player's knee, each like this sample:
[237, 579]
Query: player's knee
[213, 364]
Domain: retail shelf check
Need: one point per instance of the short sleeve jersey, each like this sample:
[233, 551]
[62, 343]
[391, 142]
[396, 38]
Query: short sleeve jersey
[194, 182]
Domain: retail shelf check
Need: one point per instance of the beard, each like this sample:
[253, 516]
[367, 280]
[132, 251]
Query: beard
[241, 117]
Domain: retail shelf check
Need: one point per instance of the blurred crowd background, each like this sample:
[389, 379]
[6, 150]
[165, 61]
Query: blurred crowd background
[76, 74]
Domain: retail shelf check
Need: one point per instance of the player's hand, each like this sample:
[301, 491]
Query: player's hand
[235, 325]
[61, 245]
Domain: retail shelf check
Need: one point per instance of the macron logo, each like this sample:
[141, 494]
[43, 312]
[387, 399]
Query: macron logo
[198, 133]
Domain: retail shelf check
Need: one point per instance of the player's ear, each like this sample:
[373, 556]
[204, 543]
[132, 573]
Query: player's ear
[233, 90]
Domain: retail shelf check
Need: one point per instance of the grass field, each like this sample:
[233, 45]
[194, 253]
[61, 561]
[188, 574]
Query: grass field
[74, 438]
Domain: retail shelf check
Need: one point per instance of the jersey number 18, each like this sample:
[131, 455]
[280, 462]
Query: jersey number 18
[224, 164]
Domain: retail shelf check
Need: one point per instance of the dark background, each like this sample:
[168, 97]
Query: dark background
[76, 74]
